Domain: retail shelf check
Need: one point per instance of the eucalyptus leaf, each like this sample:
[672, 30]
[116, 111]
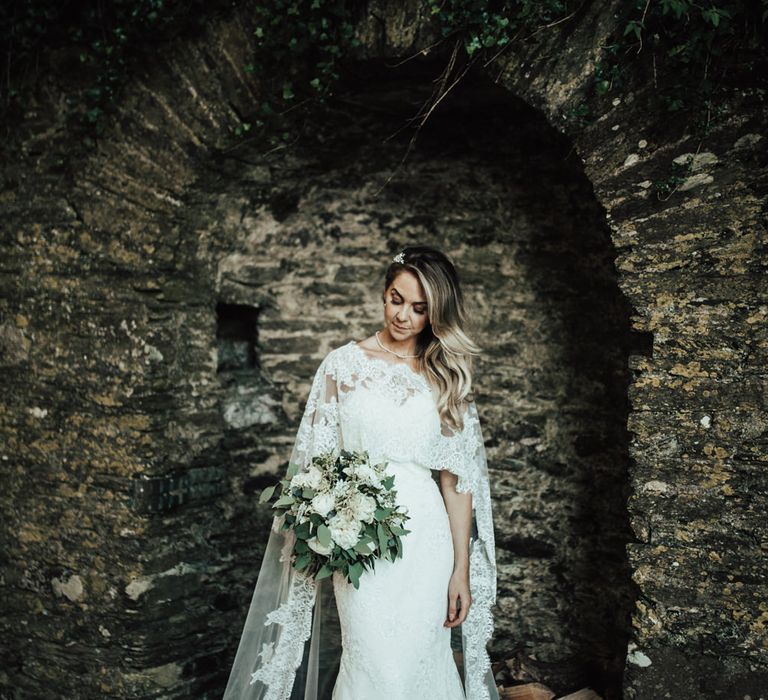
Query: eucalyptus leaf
[266, 494]
[284, 500]
[323, 535]
[301, 561]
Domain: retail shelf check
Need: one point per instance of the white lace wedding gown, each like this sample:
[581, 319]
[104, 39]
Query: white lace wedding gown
[395, 646]
[393, 642]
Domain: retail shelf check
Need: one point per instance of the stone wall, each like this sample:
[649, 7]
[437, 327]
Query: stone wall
[166, 300]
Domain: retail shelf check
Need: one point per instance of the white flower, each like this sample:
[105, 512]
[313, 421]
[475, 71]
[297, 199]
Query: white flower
[301, 512]
[312, 478]
[361, 507]
[341, 489]
[323, 503]
[366, 474]
[344, 531]
[314, 544]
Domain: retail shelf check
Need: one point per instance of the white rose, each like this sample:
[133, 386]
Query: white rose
[323, 503]
[313, 478]
[345, 532]
[314, 544]
[367, 475]
[362, 507]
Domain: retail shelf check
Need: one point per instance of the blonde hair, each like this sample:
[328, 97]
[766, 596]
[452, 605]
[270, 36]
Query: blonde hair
[444, 348]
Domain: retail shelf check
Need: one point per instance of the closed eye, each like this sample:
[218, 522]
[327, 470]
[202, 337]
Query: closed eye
[421, 310]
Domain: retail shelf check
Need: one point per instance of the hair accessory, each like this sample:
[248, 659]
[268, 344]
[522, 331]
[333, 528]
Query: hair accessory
[399, 258]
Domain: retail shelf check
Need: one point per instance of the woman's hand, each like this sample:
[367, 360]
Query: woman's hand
[459, 508]
[458, 592]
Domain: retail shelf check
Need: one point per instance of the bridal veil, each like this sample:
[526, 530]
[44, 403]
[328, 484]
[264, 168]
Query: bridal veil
[290, 645]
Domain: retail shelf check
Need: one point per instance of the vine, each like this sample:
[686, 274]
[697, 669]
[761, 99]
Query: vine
[694, 55]
[691, 52]
[297, 50]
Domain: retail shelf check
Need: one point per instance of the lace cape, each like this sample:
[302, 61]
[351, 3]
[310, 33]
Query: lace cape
[273, 660]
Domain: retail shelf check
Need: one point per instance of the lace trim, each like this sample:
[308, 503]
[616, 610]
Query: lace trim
[278, 671]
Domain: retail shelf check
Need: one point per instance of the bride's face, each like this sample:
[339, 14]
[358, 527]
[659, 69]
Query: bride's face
[405, 313]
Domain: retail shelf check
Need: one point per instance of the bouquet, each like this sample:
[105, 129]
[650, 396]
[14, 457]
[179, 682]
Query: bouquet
[343, 512]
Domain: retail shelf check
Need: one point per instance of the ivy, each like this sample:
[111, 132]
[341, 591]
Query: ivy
[689, 51]
[484, 24]
[92, 48]
[298, 46]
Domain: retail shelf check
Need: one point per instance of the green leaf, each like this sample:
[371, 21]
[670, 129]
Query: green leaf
[302, 531]
[382, 537]
[284, 500]
[363, 545]
[302, 561]
[266, 494]
[323, 535]
[355, 572]
[293, 469]
[324, 571]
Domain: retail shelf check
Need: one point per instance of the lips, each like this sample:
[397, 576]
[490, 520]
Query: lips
[400, 328]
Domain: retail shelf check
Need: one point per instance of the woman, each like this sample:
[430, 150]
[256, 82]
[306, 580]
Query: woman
[404, 396]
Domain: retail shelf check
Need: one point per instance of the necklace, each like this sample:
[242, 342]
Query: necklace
[402, 357]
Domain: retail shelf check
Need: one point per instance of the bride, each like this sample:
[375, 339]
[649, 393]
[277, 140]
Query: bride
[404, 396]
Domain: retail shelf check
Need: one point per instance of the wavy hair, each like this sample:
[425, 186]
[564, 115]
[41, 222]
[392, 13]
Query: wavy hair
[444, 348]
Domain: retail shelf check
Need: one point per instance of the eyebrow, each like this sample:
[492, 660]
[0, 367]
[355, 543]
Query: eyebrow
[394, 289]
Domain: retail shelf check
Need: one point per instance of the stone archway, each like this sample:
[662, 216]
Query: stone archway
[113, 414]
[493, 184]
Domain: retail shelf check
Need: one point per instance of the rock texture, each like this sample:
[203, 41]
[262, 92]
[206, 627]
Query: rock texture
[166, 300]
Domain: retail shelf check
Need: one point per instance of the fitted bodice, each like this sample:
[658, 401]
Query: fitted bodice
[389, 411]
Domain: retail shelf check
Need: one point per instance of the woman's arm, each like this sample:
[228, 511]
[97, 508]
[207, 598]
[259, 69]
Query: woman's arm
[459, 507]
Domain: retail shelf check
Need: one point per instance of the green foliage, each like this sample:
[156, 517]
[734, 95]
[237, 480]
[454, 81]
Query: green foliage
[485, 24]
[298, 47]
[665, 187]
[687, 47]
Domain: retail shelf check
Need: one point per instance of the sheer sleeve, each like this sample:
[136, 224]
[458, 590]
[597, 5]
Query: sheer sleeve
[319, 429]
[463, 453]
[271, 653]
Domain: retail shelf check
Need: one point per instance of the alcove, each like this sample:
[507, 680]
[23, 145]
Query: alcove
[305, 235]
